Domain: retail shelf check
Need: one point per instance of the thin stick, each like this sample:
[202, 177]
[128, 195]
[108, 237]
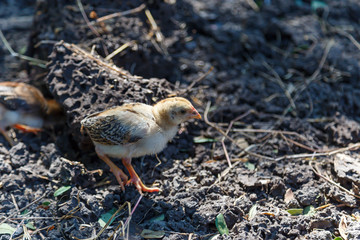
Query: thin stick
[279, 81]
[314, 76]
[133, 210]
[298, 144]
[348, 35]
[320, 154]
[75, 48]
[120, 49]
[328, 46]
[159, 163]
[332, 182]
[22, 209]
[154, 26]
[228, 130]
[202, 77]
[121, 14]
[295, 156]
[37, 62]
[158, 35]
[15, 204]
[81, 7]
[227, 136]
[109, 221]
[17, 226]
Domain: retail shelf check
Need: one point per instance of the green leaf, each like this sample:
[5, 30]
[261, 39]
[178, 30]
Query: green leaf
[252, 212]
[61, 190]
[201, 139]
[31, 226]
[221, 224]
[309, 211]
[157, 218]
[146, 233]
[338, 238]
[26, 211]
[295, 211]
[249, 166]
[315, 4]
[6, 229]
[45, 203]
[23, 50]
[104, 218]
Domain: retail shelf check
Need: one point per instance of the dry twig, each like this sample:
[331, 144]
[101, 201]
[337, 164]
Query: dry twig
[158, 35]
[120, 14]
[22, 209]
[35, 61]
[317, 172]
[81, 7]
[119, 50]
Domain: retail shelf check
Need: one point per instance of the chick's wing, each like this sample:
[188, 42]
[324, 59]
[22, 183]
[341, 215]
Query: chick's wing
[118, 126]
[22, 97]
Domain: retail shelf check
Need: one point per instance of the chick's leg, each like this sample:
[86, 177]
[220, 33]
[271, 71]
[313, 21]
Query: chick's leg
[134, 178]
[119, 174]
[27, 129]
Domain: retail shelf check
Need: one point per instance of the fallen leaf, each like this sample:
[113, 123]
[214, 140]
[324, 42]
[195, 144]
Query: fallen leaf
[104, 218]
[221, 224]
[295, 211]
[252, 212]
[161, 217]
[201, 139]
[289, 196]
[146, 233]
[309, 211]
[249, 165]
[31, 226]
[61, 190]
[6, 229]
[342, 227]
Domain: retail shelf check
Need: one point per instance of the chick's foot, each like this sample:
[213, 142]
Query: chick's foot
[134, 178]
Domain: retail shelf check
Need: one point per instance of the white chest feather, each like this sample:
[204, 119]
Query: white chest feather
[149, 145]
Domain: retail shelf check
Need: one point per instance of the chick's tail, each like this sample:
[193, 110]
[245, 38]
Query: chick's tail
[53, 108]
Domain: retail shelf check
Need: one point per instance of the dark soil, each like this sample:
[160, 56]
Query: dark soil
[288, 74]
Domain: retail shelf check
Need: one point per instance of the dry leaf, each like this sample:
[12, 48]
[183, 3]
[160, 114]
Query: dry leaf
[342, 227]
[289, 196]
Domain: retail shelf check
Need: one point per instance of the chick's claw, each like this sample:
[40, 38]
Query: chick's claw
[140, 186]
[134, 178]
[120, 177]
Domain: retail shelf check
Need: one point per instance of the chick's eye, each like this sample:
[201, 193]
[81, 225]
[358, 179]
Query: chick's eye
[182, 111]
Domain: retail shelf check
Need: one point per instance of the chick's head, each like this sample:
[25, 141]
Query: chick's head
[174, 111]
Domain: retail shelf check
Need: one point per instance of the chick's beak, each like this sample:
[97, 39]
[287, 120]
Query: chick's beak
[195, 114]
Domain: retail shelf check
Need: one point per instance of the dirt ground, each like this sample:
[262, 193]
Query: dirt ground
[277, 84]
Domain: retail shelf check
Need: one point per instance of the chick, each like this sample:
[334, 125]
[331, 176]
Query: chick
[23, 106]
[134, 130]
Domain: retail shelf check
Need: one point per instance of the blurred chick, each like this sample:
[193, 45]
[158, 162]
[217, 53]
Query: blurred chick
[135, 130]
[23, 106]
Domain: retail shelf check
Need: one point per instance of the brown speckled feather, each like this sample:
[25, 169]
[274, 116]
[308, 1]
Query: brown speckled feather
[120, 125]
